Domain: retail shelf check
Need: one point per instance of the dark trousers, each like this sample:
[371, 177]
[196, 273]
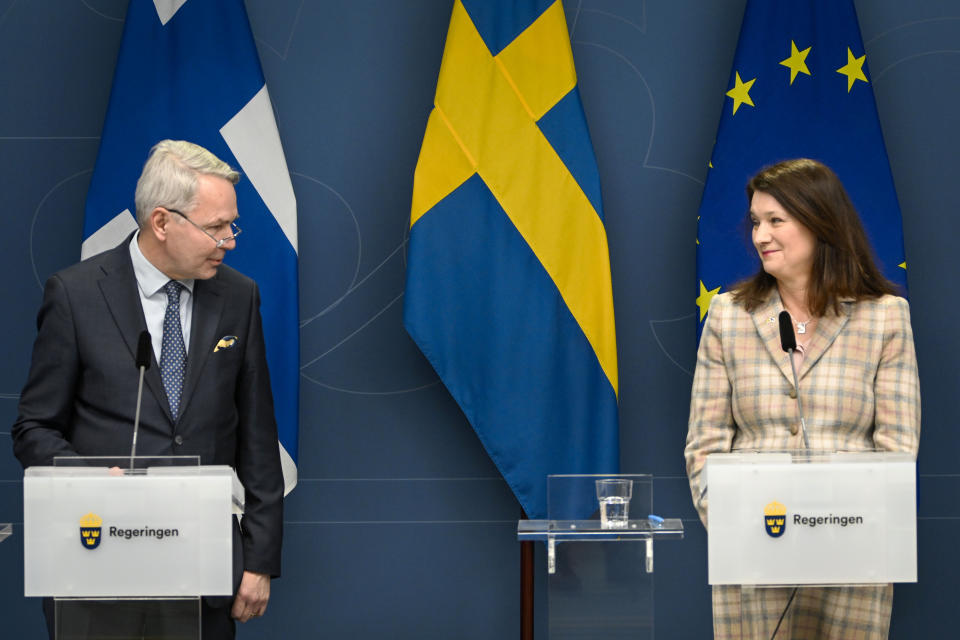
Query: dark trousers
[138, 620]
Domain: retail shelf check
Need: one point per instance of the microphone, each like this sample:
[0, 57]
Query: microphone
[144, 345]
[788, 340]
[144, 350]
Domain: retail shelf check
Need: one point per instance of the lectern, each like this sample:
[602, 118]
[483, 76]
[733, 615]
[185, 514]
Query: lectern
[802, 518]
[125, 549]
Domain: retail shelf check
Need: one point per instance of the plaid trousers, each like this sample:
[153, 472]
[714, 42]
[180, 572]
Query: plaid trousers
[816, 613]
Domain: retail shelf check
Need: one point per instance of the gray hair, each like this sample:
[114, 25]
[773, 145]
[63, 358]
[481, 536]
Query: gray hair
[169, 177]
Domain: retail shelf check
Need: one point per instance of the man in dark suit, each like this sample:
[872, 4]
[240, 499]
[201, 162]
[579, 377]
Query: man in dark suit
[210, 395]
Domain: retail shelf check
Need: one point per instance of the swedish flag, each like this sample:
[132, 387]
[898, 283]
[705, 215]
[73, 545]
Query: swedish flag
[800, 87]
[508, 285]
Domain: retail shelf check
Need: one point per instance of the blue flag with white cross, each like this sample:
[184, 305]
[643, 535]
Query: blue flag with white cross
[189, 70]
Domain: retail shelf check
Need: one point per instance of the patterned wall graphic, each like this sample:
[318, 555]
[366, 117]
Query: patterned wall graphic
[400, 524]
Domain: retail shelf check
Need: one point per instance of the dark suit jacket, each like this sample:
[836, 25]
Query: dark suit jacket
[80, 396]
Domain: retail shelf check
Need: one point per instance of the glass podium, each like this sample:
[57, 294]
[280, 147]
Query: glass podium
[125, 547]
[600, 537]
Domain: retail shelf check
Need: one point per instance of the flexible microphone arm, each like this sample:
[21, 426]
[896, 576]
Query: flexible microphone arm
[144, 346]
[788, 340]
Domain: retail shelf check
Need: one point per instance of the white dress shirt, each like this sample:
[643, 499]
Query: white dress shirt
[153, 298]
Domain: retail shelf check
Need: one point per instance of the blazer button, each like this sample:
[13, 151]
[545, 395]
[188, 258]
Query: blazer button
[792, 393]
[179, 439]
[793, 429]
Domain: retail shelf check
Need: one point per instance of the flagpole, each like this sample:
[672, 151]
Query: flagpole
[526, 587]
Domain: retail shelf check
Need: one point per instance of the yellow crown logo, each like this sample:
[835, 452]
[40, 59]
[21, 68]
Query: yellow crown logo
[775, 519]
[774, 509]
[91, 520]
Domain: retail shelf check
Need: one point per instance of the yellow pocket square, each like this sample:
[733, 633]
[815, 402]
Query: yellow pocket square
[226, 342]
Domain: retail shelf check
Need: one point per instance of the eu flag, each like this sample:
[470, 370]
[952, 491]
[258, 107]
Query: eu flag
[508, 282]
[188, 69]
[800, 87]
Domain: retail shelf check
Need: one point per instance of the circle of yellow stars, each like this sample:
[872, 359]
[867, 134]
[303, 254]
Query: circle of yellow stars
[797, 63]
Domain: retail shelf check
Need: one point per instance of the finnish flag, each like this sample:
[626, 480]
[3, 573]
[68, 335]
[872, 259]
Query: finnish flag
[189, 70]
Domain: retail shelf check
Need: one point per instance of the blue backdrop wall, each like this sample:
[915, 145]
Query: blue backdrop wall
[401, 526]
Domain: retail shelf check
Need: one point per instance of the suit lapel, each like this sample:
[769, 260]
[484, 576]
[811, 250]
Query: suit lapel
[207, 309]
[765, 319]
[828, 328]
[119, 288]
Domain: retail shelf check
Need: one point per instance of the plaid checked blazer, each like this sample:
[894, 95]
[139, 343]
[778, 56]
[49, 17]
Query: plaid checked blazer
[860, 390]
[858, 383]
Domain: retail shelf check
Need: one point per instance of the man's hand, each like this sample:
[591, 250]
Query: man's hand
[252, 596]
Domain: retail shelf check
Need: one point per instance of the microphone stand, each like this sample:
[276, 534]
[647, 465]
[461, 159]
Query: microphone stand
[796, 386]
[788, 340]
[136, 417]
[144, 350]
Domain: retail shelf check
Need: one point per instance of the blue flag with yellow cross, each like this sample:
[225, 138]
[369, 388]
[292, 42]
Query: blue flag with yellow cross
[508, 288]
[800, 87]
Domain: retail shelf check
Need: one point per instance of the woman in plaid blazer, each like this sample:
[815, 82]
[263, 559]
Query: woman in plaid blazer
[857, 369]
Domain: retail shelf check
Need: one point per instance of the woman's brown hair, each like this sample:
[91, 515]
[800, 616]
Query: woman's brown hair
[843, 265]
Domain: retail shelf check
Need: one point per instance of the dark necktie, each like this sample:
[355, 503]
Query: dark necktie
[173, 353]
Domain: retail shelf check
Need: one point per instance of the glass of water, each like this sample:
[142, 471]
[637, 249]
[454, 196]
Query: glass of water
[614, 495]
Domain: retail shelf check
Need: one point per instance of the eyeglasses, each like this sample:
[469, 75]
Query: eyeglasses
[222, 241]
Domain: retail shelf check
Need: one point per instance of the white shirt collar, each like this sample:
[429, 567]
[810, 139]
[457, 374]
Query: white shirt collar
[150, 279]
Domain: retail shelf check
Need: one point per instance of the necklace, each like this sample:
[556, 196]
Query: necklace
[801, 326]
